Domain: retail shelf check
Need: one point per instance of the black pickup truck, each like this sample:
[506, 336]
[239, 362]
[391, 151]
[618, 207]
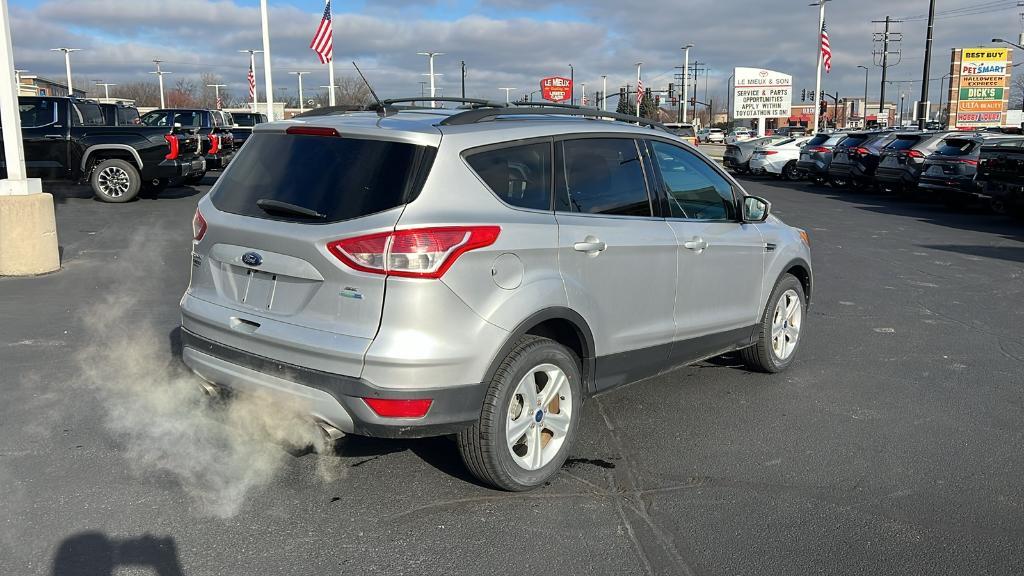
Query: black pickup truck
[68, 139]
[1001, 173]
[244, 122]
[214, 129]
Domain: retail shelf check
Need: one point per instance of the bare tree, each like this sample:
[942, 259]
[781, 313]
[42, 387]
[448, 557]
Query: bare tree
[1017, 93]
[185, 94]
[352, 91]
[143, 93]
[208, 94]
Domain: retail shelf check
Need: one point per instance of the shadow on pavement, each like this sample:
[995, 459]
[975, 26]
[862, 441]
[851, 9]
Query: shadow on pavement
[96, 554]
[1010, 253]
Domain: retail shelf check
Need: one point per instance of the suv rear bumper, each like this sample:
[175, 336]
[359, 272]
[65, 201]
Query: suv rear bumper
[333, 398]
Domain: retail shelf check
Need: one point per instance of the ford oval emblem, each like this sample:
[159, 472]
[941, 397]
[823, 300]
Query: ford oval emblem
[252, 259]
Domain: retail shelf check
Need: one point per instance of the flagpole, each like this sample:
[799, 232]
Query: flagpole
[638, 96]
[817, 81]
[330, 63]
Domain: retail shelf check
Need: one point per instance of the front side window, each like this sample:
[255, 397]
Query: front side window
[518, 175]
[694, 189]
[188, 119]
[155, 118]
[601, 176]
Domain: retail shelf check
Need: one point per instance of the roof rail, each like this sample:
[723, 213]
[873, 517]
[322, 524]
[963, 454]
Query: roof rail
[476, 102]
[331, 110]
[482, 114]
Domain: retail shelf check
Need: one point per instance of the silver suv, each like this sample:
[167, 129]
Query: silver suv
[480, 272]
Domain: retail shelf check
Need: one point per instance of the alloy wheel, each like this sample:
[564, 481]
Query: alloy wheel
[786, 322]
[539, 416]
[114, 182]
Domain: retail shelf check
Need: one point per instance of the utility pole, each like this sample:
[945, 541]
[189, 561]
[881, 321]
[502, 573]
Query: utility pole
[695, 69]
[583, 91]
[433, 86]
[216, 93]
[886, 38]
[463, 62]
[925, 104]
[67, 65]
[106, 88]
[686, 68]
[604, 92]
[302, 105]
[268, 75]
[864, 110]
[160, 76]
[507, 92]
[252, 66]
[817, 78]
[572, 85]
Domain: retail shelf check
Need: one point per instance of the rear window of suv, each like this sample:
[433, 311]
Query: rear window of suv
[904, 142]
[956, 147]
[853, 141]
[339, 178]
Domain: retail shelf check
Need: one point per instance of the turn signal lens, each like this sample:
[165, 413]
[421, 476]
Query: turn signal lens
[391, 408]
[805, 238]
[172, 146]
[198, 226]
[412, 253]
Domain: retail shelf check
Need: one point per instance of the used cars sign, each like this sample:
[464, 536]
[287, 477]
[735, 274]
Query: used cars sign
[556, 89]
[760, 93]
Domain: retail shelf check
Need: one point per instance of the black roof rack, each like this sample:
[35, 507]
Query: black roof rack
[475, 102]
[545, 108]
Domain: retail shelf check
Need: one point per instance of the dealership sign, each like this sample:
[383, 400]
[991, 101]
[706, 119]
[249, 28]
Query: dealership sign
[760, 93]
[982, 94]
[556, 89]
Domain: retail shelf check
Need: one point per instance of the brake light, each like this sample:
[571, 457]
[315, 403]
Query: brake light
[862, 151]
[970, 162]
[312, 131]
[819, 149]
[198, 226]
[413, 253]
[214, 144]
[915, 154]
[172, 145]
[769, 152]
[398, 408]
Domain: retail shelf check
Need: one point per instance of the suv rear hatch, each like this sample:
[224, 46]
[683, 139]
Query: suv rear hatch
[264, 261]
[956, 157]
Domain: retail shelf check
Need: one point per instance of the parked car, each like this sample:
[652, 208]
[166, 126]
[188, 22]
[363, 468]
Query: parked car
[714, 135]
[213, 127]
[816, 155]
[1001, 172]
[855, 158]
[737, 156]
[69, 139]
[791, 131]
[244, 122]
[685, 131]
[740, 135]
[902, 160]
[120, 114]
[949, 173]
[432, 272]
[779, 159]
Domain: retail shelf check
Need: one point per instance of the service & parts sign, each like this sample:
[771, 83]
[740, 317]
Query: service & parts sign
[760, 93]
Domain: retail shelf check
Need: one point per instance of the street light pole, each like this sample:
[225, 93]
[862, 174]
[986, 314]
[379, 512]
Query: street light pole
[302, 106]
[864, 111]
[216, 93]
[433, 86]
[268, 75]
[106, 88]
[686, 84]
[67, 65]
[604, 92]
[507, 92]
[160, 76]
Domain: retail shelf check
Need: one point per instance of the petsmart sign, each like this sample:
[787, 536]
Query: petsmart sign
[760, 93]
[982, 90]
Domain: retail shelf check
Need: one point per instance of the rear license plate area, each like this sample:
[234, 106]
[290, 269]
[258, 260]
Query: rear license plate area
[259, 290]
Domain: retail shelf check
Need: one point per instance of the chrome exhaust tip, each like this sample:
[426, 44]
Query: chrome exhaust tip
[330, 433]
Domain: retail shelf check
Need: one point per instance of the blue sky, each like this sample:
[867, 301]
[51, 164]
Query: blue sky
[504, 42]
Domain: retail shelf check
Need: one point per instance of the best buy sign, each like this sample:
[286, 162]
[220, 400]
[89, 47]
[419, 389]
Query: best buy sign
[981, 93]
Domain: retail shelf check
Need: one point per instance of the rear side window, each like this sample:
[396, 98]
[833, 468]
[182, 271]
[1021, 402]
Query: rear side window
[127, 116]
[87, 114]
[518, 175]
[155, 118]
[686, 131]
[37, 113]
[244, 120]
[601, 176]
[956, 147]
[339, 178]
[188, 119]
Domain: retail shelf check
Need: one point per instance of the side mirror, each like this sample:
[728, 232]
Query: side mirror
[755, 209]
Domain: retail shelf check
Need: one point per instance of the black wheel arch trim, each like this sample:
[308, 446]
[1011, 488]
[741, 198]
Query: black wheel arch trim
[552, 313]
[807, 283]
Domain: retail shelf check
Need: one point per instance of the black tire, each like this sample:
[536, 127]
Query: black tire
[115, 181]
[193, 179]
[761, 357]
[791, 172]
[483, 446]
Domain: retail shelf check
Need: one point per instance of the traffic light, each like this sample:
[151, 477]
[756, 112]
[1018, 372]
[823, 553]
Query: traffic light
[811, 94]
[821, 96]
[823, 106]
[671, 90]
[803, 95]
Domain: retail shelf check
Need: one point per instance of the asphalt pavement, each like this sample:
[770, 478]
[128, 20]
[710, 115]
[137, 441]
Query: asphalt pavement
[892, 446]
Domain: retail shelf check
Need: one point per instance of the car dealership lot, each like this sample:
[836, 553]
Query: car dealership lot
[892, 446]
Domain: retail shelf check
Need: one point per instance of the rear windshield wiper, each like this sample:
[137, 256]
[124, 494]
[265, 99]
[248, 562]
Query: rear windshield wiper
[268, 205]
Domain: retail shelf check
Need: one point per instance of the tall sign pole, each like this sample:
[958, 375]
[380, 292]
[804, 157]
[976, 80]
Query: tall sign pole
[686, 73]
[924, 104]
[28, 230]
[817, 77]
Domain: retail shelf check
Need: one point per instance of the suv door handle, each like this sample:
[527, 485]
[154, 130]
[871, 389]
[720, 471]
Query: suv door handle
[698, 244]
[591, 246]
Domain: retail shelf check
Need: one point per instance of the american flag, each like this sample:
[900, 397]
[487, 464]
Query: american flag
[639, 92]
[323, 40]
[220, 103]
[252, 84]
[826, 50]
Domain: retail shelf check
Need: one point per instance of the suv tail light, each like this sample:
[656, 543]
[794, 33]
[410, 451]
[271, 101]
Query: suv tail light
[198, 226]
[172, 145]
[769, 152]
[969, 162]
[862, 151]
[214, 144]
[819, 150]
[413, 253]
[915, 154]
